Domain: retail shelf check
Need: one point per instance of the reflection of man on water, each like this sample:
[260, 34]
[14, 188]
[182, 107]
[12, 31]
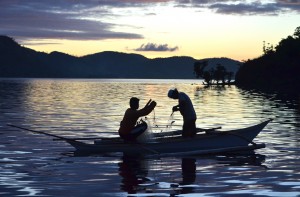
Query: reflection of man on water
[134, 171]
[188, 167]
[129, 129]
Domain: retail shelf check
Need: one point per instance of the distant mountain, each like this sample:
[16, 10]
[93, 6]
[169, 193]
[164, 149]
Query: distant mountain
[19, 61]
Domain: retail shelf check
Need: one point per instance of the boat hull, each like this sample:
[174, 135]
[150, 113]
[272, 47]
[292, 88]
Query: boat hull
[204, 143]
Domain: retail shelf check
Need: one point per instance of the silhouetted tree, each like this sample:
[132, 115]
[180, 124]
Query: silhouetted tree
[207, 77]
[214, 74]
[220, 73]
[267, 48]
[199, 68]
[229, 76]
[276, 69]
[297, 33]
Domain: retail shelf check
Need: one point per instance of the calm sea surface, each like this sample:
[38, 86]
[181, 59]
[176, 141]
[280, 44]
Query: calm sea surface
[35, 165]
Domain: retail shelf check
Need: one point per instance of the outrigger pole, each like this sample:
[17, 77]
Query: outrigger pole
[41, 132]
[60, 137]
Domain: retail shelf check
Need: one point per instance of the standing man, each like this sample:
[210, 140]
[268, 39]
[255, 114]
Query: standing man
[187, 111]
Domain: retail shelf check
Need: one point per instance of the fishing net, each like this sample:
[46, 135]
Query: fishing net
[149, 135]
[146, 136]
[169, 123]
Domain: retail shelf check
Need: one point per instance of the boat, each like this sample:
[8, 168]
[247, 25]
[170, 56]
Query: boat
[172, 143]
[219, 84]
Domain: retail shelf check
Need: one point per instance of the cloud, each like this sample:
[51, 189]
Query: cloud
[97, 19]
[293, 2]
[247, 8]
[64, 19]
[239, 7]
[156, 47]
[293, 5]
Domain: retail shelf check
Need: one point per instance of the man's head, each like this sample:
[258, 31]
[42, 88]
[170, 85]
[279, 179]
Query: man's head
[134, 103]
[173, 93]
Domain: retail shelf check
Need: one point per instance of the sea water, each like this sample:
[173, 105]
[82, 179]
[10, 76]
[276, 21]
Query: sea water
[35, 165]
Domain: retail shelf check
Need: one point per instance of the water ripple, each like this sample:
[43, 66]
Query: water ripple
[34, 165]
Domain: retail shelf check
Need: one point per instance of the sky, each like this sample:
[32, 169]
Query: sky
[153, 28]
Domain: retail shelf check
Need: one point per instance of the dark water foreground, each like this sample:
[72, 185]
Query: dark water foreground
[34, 165]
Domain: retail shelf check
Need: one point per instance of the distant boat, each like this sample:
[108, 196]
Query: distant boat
[219, 84]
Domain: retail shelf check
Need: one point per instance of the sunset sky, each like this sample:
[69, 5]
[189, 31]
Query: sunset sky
[153, 28]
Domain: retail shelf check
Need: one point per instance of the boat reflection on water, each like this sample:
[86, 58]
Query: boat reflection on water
[140, 175]
[250, 159]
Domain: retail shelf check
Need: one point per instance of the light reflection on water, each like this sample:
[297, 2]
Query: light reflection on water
[34, 165]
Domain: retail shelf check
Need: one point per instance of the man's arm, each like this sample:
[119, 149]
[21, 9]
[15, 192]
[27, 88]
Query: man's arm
[175, 108]
[150, 100]
[147, 109]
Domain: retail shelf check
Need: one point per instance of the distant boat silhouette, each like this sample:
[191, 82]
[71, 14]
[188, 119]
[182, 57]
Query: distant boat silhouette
[219, 84]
